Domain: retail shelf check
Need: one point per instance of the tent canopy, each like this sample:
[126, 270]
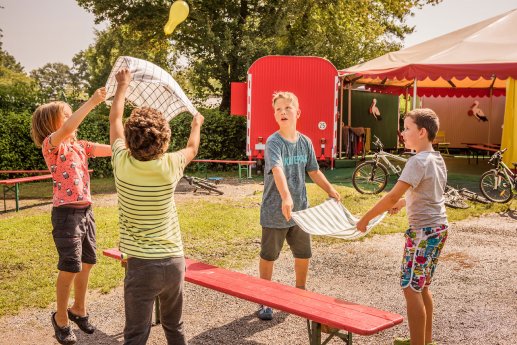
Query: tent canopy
[466, 62]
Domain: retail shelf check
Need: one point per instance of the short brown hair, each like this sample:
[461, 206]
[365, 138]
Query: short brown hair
[45, 121]
[286, 95]
[147, 133]
[425, 118]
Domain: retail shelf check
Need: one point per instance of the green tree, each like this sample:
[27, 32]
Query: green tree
[56, 81]
[221, 39]
[93, 65]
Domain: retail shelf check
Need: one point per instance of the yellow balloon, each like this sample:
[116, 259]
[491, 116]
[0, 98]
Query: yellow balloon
[178, 13]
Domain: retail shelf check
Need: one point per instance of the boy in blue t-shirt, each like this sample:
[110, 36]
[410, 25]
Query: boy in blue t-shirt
[423, 181]
[288, 156]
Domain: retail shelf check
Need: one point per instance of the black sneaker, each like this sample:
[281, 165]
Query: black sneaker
[265, 313]
[64, 335]
[82, 322]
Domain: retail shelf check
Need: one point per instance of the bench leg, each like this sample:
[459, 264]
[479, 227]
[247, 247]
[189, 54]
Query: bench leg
[16, 196]
[314, 331]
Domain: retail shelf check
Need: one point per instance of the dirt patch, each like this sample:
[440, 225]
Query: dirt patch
[475, 291]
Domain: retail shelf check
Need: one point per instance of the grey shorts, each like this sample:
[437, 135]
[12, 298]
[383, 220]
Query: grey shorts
[273, 240]
[74, 236]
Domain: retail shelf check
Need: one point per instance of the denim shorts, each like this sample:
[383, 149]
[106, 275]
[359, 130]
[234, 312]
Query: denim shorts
[273, 240]
[421, 252]
[74, 236]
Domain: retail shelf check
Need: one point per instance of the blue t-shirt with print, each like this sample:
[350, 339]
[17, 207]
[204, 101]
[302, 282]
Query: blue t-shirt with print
[295, 158]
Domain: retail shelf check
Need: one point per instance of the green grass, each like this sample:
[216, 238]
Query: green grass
[222, 233]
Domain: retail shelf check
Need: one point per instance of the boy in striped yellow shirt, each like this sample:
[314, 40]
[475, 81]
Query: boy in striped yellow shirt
[146, 177]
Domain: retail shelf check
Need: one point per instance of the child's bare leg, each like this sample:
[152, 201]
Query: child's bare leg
[63, 286]
[415, 315]
[80, 289]
[266, 269]
[301, 267]
[428, 302]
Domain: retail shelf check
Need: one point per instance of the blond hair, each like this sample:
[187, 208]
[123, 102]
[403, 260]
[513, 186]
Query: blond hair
[46, 120]
[425, 118]
[286, 95]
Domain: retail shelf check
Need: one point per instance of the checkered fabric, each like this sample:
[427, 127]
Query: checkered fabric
[150, 86]
[331, 218]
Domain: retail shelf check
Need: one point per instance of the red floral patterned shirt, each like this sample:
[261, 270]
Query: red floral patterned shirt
[68, 164]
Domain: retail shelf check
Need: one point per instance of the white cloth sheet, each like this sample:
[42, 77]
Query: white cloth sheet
[331, 218]
[150, 86]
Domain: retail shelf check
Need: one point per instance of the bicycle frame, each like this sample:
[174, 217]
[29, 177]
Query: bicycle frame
[503, 169]
[383, 156]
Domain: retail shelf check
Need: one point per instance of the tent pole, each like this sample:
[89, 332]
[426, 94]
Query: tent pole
[350, 105]
[490, 114]
[414, 94]
[341, 120]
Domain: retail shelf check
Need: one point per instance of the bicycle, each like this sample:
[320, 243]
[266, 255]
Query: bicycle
[455, 198]
[374, 174]
[371, 177]
[199, 183]
[498, 184]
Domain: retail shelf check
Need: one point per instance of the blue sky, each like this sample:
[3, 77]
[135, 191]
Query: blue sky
[41, 31]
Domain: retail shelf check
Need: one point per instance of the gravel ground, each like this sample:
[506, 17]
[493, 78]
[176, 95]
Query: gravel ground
[475, 293]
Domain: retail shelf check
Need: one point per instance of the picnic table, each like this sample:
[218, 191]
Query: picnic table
[13, 184]
[476, 148]
[243, 165]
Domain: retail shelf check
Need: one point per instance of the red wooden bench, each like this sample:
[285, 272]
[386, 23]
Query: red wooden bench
[318, 309]
[243, 165]
[12, 184]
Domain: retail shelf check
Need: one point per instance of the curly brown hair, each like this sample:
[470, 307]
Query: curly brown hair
[147, 134]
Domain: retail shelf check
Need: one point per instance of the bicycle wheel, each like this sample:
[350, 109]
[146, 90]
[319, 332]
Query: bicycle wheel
[370, 178]
[470, 195]
[207, 186]
[496, 187]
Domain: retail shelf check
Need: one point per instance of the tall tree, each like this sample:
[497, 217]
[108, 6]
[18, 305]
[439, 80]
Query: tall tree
[222, 38]
[94, 64]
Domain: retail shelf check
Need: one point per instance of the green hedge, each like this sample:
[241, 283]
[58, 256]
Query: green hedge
[222, 137]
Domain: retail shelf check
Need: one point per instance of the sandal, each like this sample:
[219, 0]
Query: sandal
[64, 335]
[82, 322]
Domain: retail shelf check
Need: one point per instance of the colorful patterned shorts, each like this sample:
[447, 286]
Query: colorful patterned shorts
[421, 252]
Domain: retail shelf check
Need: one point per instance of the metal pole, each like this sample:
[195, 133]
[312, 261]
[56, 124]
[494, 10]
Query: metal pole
[341, 123]
[350, 105]
[414, 93]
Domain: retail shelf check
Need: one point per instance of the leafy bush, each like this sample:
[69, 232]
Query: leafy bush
[222, 137]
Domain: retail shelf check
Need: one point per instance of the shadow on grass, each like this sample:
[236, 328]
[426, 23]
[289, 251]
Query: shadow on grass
[21, 208]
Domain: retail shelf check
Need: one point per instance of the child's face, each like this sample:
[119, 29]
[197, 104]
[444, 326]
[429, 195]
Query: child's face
[412, 135]
[65, 115]
[286, 113]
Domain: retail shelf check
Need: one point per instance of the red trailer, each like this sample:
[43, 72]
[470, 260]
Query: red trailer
[314, 80]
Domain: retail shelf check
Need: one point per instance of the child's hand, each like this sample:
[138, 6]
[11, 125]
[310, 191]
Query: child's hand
[99, 95]
[361, 225]
[197, 120]
[287, 207]
[334, 194]
[123, 77]
[397, 207]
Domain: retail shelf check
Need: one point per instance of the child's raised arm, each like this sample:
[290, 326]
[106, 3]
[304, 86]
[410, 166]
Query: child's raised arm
[73, 122]
[193, 141]
[123, 78]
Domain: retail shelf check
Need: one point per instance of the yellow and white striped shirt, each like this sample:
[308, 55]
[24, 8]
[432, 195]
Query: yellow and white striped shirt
[148, 220]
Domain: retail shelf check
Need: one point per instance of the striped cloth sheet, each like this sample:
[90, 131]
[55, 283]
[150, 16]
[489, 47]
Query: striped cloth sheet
[150, 86]
[331, 218]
